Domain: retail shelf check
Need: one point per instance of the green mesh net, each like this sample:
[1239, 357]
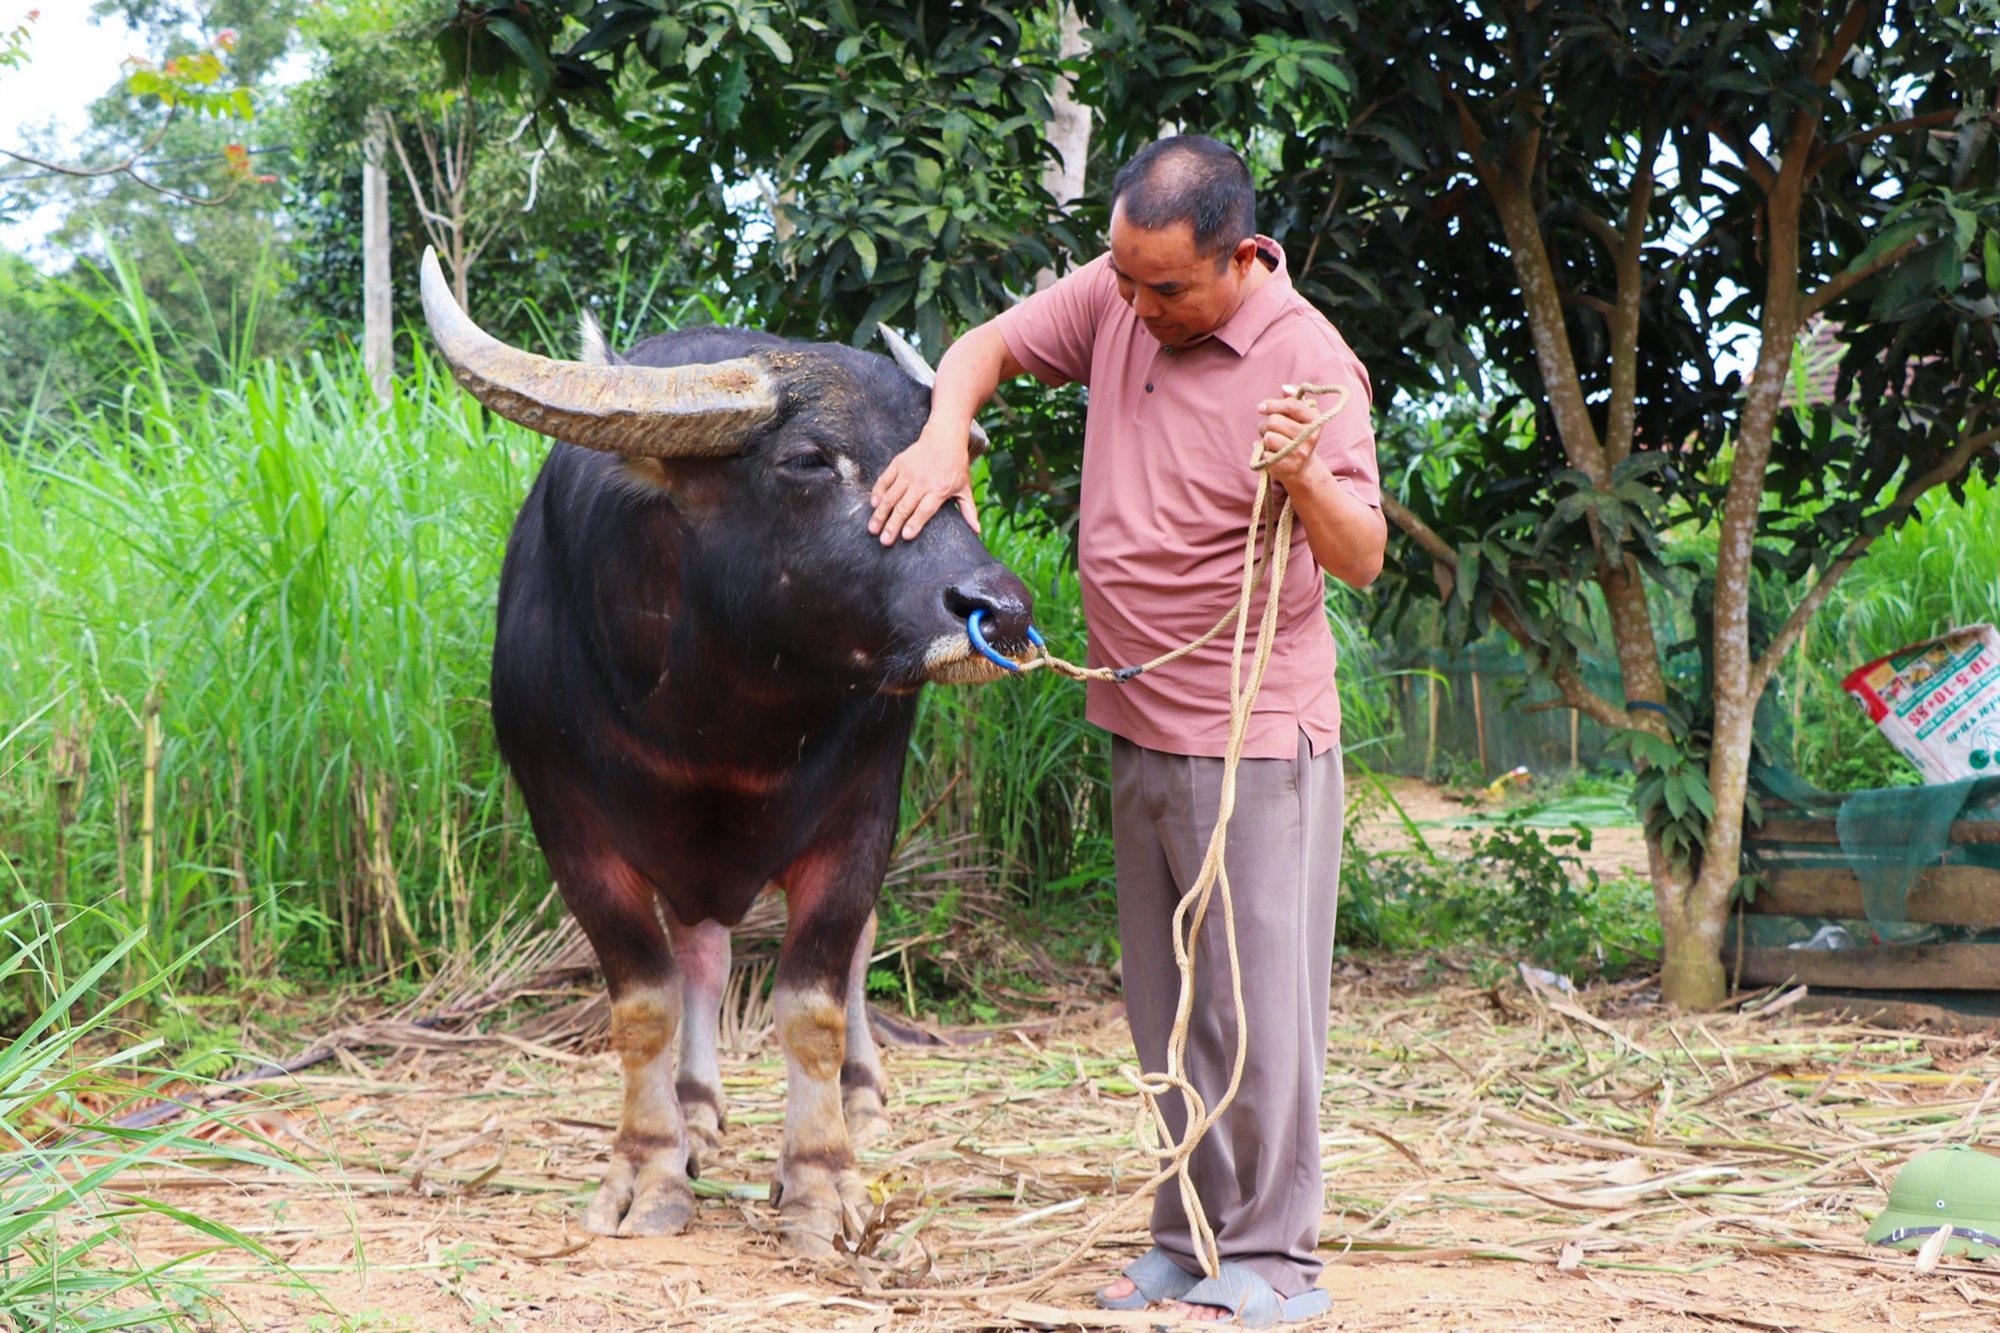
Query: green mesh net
[1886, 838]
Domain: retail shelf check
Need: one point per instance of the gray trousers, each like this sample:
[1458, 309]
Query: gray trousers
[1258, 1170]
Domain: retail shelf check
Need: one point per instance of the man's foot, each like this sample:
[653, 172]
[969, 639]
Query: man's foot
[1197, 1314]
[1121, 1287]
[1150, 1278]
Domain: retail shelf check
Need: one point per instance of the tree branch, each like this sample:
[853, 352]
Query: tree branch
[1833, 150]
[1831, 290]
[1621, 420]
[1597, 303]
[1844, 38]
[1602, 230]
[433, 222]
[1788, 634]
[1508, 184]
[1754, 162]
[129, 169]
[1576, 693]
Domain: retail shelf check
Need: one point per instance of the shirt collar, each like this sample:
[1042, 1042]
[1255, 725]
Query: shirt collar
[1242, 329]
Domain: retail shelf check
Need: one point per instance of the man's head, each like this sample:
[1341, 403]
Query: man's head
[1184, 236]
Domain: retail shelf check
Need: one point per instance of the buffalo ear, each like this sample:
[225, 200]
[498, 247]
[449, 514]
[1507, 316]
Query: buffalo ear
[696, 488]
[591, 348]
[913, 364]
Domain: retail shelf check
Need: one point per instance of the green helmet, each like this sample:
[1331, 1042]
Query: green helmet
[1954, 1187]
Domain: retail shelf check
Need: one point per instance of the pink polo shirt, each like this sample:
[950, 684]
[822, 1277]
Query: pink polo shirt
[1167, 489]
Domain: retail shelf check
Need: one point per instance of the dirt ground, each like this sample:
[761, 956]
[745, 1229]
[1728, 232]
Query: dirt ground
[1448, 825]
[1495, 1161]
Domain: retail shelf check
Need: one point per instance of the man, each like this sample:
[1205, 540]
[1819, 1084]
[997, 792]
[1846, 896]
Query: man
[1192, 341]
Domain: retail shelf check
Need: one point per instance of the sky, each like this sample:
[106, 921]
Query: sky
[72, 62]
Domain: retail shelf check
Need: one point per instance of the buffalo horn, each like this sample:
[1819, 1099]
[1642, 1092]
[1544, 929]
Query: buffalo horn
[913, 364]
[702, 411]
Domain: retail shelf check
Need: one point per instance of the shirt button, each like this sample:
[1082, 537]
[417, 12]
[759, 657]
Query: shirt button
[1149, 388]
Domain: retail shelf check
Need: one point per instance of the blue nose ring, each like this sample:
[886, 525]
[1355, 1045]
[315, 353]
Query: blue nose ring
[985, 649]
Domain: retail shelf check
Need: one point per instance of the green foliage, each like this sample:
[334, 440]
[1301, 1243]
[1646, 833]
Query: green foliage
[14, 44]
[188, 82]
[1590, 201]
[212, 270]
[66, 1075]
[1542, 907]
[1520, 893]
[1036, 467]
[1274, 78]
[1672, 794]
[898, 146]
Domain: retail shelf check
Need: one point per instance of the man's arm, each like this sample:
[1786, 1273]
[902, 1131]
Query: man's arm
[938, 467]
[1348, 538]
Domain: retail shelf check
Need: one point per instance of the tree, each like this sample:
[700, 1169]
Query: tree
[550, 219]
[1608, 203]
[185, 83]
[909, 135]
[160, 178]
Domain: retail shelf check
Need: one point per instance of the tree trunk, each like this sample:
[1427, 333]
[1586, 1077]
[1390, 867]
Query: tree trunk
[1068, 128]
[1691, 975]
[377, 313]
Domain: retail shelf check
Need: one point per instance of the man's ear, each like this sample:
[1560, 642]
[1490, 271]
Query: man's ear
[1244, 256]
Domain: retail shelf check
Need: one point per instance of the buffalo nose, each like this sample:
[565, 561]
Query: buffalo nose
[1005, 600]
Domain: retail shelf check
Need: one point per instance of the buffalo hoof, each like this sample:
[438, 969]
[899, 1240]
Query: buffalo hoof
[704, 1137]
[866, 1120]
[639, 1203]
[815, 1211]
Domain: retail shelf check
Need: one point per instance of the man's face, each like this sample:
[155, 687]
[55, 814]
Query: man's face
[1182, 295]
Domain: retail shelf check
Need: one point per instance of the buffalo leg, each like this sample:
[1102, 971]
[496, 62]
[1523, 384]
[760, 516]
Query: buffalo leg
[702, 951]
[645, 1191]
[862, 1085]
[820, 1192]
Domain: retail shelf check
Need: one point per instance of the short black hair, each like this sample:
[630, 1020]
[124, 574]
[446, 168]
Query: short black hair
[1190, 178]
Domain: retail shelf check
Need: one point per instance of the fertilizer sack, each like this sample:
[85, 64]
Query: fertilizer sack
[1938, 702]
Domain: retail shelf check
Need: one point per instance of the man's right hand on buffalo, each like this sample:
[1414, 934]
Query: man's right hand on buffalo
[938, 467]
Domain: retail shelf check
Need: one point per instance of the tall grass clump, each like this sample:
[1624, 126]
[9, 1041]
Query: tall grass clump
[244, 629]
[70, 1257]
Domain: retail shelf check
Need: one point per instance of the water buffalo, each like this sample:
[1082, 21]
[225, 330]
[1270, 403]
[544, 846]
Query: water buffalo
[705, 673]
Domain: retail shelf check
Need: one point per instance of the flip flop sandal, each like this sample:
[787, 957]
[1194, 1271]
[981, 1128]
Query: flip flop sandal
[1156, 1277]
[1252, 1300]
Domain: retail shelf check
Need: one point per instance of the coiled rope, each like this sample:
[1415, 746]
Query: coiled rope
[1213, 877]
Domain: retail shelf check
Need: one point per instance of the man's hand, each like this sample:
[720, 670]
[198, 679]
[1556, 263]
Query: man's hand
[917, 483]
[938, 467]
[1347, 536]
[1282, 420]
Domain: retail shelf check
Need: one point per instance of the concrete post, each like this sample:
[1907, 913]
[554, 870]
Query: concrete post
[378, 347]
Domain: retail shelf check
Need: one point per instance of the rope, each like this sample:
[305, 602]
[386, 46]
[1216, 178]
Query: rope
[1213, 875]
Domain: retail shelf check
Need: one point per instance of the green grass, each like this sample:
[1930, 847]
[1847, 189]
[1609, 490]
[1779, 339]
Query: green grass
[67, 1260]
[300, 586]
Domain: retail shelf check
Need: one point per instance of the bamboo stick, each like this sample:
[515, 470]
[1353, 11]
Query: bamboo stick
[1479, 721]
[148, 799]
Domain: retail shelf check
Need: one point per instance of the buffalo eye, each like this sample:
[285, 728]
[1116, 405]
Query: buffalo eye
[807, 460]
